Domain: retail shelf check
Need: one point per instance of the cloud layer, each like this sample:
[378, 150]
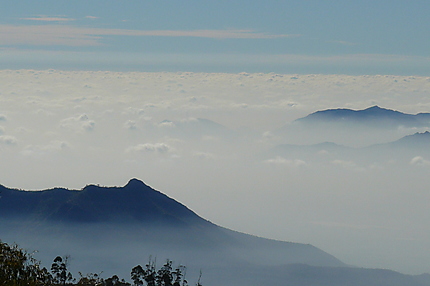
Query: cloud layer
[203, 139]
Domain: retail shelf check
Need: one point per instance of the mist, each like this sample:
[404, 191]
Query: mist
[216, 143]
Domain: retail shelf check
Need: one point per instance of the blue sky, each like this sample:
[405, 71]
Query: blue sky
[353, 37]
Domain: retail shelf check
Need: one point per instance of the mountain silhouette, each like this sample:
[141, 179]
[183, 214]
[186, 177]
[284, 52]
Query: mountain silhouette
[135, 202]
[112, 229]
[150, 213]
[375, 115]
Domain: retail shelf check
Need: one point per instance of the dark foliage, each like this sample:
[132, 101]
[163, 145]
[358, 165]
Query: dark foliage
[165, 276]
[59, 271]
[19, 268]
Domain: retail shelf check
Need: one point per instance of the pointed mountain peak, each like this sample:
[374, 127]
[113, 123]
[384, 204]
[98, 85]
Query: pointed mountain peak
[135, 183]
[375, 107]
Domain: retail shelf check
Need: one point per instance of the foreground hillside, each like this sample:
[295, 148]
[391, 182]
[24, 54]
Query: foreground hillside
[112, 229]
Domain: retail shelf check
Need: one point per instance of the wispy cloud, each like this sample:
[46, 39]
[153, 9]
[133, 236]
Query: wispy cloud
[44, 18]
[67, 35]
[46, 35]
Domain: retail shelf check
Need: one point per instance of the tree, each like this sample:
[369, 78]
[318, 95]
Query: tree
[59, 270]
[165, 276]
[115, 281]
[19, 268]
[90, 280]
[95, 280]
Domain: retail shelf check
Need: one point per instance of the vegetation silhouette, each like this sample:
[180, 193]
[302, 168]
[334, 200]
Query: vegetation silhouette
[19, 268]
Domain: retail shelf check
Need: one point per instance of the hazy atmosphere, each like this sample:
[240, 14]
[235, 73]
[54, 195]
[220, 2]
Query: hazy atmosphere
[198, 100]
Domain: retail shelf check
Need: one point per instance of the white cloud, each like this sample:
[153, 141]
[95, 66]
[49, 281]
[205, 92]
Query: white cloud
[166, 123]
[134, 111]
[78, 123]
[189, 120]
[419, 161]
[3, 117]
[40, 150]
[161, 148]
[204, 155]
[282, 161]
[130, 124]
[268, 135]
[88, 125]
[8, 140]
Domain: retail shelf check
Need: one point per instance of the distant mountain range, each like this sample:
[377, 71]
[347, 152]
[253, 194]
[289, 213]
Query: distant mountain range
[358, 128]
[417, 141]
[375, 115]
[116, 227]
[407, 147]
[414, 141]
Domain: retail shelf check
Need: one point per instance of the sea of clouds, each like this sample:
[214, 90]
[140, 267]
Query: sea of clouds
[201, 139]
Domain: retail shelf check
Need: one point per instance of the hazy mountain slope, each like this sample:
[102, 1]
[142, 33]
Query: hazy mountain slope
[404, 148]
[112, 229]
[305, 275]
[308, 152]
[149, 215]
[357, 128]
[417, 141]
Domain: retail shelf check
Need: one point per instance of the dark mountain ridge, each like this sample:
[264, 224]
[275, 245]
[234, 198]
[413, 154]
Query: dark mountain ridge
[133, 202]
[375, 115]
